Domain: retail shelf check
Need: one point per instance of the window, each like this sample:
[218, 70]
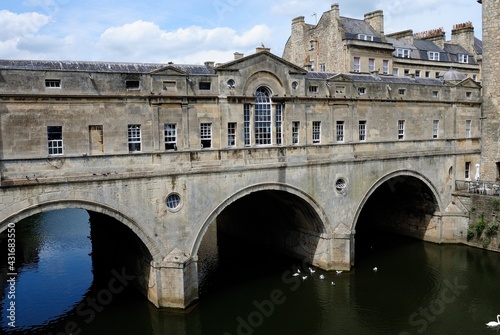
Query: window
[468, 95]
[401, 129]
[361, 90]
[340, 131]
[435, 128]
[295, 132]
[395, 72]
[316, 131]
[262, 116]
[312, 65]
[435, 94]
[357, 64]
[52, 83]
[427, 74]
[462, 58]
[246, 124]
[433, 55]
[362, 130]
[365, 37]
[134, 137]
[467, 170]
[173, 201]
[467, 128]
[170, 133]
[313, 89]
[169, 86]
[437, 74]
[385, 66]
[206, 135]
[132, 84]
[231, 134]
[403, 53]
[474, 77]
[322, 67]
[204, 85]
[417, 73]
[402, 91]
[279, 124]
[54, 140]
[312, 45]
[407, 72]
[371, 64]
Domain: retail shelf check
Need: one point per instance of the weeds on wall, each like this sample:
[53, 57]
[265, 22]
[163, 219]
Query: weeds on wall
[483, 231]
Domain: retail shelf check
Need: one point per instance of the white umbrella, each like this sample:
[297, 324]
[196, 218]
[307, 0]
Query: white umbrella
[477, 172]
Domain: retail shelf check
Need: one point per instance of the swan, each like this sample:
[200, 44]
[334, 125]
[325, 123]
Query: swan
[311, 270]
[295, 274]
[321, 276]
[494, 323]
[338, 272]
[304, 277]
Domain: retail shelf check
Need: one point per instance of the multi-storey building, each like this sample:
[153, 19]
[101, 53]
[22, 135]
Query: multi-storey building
[77, 109]
[340, 44]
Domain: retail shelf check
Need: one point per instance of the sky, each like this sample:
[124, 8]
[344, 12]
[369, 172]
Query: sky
[192, 31]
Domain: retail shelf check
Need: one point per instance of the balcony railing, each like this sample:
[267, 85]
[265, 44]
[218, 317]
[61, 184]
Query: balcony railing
[478, 187]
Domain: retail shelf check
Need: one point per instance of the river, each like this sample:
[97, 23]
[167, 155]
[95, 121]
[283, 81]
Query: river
[416, 288]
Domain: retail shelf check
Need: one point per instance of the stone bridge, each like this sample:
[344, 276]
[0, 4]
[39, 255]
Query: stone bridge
[304, 201]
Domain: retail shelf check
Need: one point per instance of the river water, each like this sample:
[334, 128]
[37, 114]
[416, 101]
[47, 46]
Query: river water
[418, 288]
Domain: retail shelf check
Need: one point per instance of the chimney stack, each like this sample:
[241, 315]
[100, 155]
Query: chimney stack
[238, 55]
[376, 20]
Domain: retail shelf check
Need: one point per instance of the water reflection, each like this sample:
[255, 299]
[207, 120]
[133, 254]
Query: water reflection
[419, 288]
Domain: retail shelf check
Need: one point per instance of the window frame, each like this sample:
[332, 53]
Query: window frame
[340, 131]
[134, 138]
[55, 145]
[316, 132]
[362, 130]
[170, 136]
[205, 135]
[401, 129]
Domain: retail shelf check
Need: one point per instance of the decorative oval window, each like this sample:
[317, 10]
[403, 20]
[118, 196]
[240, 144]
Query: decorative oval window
[295, 85]
[230, 83]
[173, 201]
[340, 185]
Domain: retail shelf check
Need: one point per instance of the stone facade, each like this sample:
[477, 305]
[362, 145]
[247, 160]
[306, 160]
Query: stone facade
[340, 44]
[490, 158]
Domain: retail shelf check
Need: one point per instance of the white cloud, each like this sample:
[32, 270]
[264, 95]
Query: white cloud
[19, 25]
[146, 41]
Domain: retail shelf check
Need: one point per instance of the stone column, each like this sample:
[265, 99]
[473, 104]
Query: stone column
[343, 248]
[173, 282]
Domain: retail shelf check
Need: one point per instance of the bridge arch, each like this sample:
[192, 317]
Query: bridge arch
[394, 182]
[319, 226]
[90, 206]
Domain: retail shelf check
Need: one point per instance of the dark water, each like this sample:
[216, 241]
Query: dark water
[418, 288]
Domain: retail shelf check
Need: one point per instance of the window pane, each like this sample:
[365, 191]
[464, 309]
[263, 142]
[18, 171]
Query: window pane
[170, 133]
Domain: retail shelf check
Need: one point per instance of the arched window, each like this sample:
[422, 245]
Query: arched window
[263, 116]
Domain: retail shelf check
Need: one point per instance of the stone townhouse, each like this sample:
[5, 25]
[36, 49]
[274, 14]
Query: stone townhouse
[342, 44]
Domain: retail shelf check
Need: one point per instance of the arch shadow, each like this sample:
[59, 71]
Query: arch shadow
[394, 185]
[319, 226]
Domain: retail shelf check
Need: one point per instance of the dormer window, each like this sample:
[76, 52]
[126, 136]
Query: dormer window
[433, 55]
[364, 37]
[462, 58]
[132, 84]
[403, 53]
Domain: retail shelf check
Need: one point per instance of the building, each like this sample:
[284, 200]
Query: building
[52, 109]
[341, 44]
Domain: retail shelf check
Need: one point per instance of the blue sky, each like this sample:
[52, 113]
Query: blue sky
[192, 32]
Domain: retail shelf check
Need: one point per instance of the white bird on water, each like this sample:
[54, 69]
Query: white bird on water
[338, 272]
[321, 276]
[295, 274]
[311, 270]
[304, 277]
[375, 269]
[333, 283]
[493, 323]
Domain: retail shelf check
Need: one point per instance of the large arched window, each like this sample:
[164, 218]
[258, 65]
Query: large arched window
[263, 113]
[262, 116]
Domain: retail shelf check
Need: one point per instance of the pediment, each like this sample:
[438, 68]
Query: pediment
[263, 60]
[340, 77]
[169, 71]
[468, 82]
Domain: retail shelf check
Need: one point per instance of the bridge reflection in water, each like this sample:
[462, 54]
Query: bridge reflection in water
[419, 287]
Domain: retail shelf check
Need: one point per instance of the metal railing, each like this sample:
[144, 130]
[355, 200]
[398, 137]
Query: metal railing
[478, 187]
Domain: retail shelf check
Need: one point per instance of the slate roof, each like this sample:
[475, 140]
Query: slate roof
[392, 79]
[109, 67]
[354, 27]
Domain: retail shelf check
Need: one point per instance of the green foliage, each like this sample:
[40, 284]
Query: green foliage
[470, 233]
[480, 225]
[492, 228]
[495, 204]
